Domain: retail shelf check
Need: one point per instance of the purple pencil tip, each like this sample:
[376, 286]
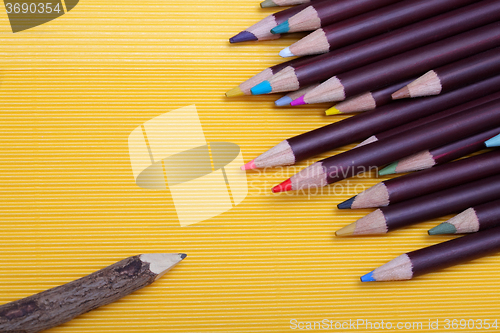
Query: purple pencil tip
[243, 36]
[298, 101]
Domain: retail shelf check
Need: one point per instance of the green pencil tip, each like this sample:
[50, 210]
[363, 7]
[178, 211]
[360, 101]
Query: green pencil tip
[281, 29]
[443, 229]
[388, 170]
[267, 4]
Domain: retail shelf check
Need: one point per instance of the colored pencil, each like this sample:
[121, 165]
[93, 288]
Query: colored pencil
[262, 29]
[430, 157]
[474, 219]
[283, 3]
[381, 47]
[493, 142]
[370, 24]
[430, 206]
[425, 120]
[244, 87]
[436, 257]
[288, 98]
[452, 76]
[367, 101]
[403, 66]
[63, 303]
[376, 154]
[321, 14]
[414, 185]
[365, 124]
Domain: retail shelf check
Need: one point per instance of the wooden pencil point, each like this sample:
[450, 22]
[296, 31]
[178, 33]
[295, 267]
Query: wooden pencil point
[332, 111]
[401, 93]
[346, 231]
[243, 36]
[443, 229]
[346, 204]
[249, 166]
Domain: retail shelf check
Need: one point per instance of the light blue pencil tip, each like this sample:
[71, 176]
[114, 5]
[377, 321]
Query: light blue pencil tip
[493, 142]
[283, 101]
[262, 88]
[368, 277]
[281, 28]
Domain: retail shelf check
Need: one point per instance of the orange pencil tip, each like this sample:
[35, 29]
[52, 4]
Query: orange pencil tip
[283, 187]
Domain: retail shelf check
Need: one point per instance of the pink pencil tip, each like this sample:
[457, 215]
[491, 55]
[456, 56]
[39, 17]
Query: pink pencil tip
[298, 101]
[283, 187]
[249, 166]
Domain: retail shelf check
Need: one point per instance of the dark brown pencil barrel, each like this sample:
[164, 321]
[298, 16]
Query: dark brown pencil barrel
[438, 133]
[419, 61]
[455, 251]
[383, 96]
[439, 115]
[462, 147]
[442, 177]
[385, 19]
[449, 201]
[292, 63]
[333, 11]
[375, 121]
[469, 70]
[61, 304]
[380, 47]
[488, 215]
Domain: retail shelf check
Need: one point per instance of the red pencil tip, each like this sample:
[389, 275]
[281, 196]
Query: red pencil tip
[298, 101]
[249, 166]
[283, 187]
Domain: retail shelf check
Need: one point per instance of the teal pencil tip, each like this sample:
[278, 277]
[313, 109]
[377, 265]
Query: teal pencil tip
[281, 28]
[262, 88]
[388, 170]
[443, 229]
[368, 277]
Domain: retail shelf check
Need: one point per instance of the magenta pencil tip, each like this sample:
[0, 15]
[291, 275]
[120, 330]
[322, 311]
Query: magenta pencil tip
[249, 166]
[298, 101]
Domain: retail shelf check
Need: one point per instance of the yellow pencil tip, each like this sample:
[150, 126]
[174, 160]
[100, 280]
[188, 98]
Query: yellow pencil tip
[332, 111]
[347, 230]
[235, 92]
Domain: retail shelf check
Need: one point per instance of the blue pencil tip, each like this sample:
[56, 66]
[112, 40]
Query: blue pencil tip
[281, 28]
[368, 277]
[262, 88]
[346, 204]
[493, 142]
[283, 101]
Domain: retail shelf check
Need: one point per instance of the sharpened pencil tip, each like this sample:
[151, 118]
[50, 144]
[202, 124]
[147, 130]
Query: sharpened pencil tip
[298, 101]
[267, 4]
[443, 229]
[183, 255]
[243, 36]
[281, 28]
[347, 230]
[346, 204]
[368, 277]
[283, 101]
[388, 170]
[262, 88]
[283, 187]
[332, 111]
[493, 142]
[401, 93]
[235, 92]
[249, 166]
[286, 53]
